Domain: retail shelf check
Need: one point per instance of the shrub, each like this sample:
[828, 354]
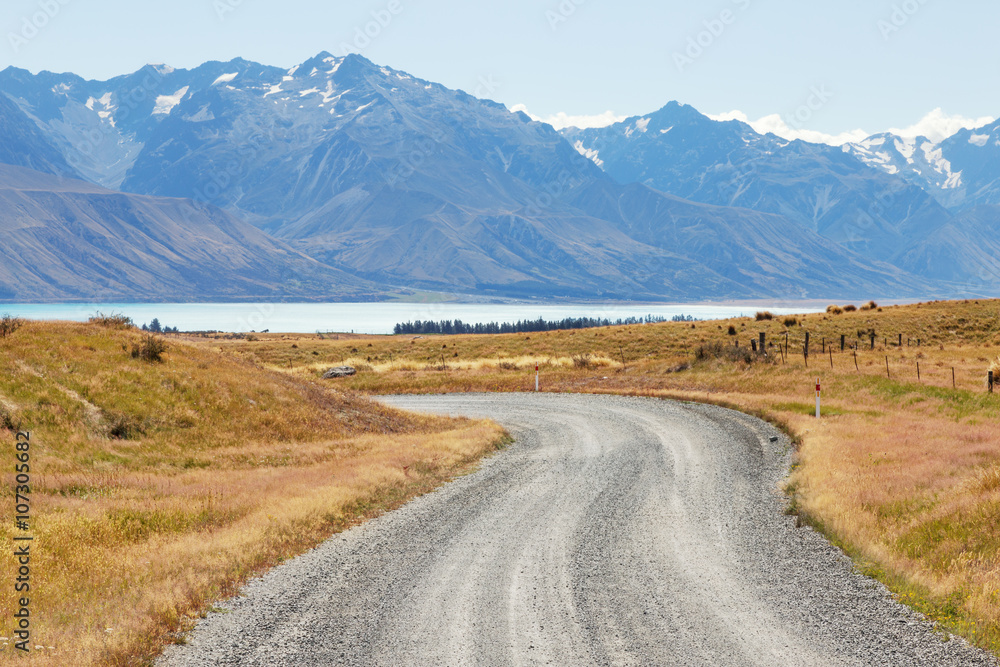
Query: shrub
[835, 310]
[9, 420]
[995, 367]
[732, 330]
[850, 308]
[508, 366]
[764, 315]
[9, 325]
[791, 321]
[150, 349]
[121, 426]
[582, 360]
[871, 305]
[710, 351]
[112, 321]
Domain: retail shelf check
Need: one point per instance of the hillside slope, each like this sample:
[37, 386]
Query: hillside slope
[64, 239]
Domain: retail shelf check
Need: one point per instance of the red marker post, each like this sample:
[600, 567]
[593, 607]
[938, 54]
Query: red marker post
[817, 397]
[536, 376]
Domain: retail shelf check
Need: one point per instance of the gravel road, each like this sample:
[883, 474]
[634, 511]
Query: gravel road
[615, 531]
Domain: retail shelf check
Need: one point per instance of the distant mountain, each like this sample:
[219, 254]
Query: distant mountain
[682, 152]
[24, 145]
[965, 253]
[101, 126]
[401, 181]
[67, 240]
[961, 172]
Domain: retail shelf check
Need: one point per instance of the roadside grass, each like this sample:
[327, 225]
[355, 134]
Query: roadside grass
[159, 487]
[902, 472]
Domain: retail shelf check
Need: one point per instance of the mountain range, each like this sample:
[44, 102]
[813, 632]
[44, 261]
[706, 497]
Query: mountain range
[341, 178]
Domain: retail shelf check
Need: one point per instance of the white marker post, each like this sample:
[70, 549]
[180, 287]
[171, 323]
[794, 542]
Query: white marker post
[536, 376]
[817, 398]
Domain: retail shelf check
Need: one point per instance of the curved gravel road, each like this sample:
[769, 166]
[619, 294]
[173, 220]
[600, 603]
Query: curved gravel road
[615, 531]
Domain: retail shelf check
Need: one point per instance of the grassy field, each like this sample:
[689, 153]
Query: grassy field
[157, 486]
[903, 471]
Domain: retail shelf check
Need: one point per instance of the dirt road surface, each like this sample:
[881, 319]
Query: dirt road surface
[615, 531]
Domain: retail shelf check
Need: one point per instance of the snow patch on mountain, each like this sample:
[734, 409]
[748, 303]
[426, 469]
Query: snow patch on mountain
[979, 139]
[906, 148]
[641, 126]
[166, 103]
[935, 158]
[225, 78]
[589, 153]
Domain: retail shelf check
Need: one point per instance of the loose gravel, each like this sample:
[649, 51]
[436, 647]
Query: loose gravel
[615, 531]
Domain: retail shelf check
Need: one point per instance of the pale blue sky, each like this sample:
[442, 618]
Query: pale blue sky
[764, 58]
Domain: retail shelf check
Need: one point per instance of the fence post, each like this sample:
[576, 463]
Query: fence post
[900, 340]
[817, 397]
[991, 381]
[887, 367]
[807, 345]
[873, 340]
[843, 341]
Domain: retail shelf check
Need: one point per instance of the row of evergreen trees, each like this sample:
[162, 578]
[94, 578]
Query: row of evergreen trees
[449, 327]
[156, 327]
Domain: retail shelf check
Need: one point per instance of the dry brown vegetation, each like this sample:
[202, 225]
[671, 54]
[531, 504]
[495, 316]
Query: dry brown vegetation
[158, 488]
[903, 472]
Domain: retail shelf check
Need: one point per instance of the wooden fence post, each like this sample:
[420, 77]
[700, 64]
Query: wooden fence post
[843, 342]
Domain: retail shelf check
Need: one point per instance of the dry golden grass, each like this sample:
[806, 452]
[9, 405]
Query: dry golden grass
[158, 488]
[903, 473]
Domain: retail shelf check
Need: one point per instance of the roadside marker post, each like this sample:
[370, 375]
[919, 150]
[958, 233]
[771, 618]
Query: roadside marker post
[536, 376]
[817, 397]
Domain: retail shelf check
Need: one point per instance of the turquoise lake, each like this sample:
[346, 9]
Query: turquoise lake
[368, 318]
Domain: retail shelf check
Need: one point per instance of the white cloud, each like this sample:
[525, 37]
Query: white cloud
[563, 120]
[938, 126]
[775, 124]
